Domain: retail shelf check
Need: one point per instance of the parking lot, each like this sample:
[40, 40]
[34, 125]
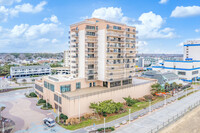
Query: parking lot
[26, 115]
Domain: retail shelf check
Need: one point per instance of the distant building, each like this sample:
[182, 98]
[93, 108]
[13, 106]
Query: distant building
[27, 71]
[60, 70]
[187, 69]
[191, 50]
[66, 58]
[166, 77]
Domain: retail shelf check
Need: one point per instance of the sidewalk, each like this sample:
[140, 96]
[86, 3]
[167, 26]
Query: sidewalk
[153, 120]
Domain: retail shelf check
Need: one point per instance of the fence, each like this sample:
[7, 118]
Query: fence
[175, 117]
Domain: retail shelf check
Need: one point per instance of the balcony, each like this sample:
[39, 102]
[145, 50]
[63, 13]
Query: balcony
[91, 51]
[90, 46]
[91, 40]
[115, 40]
[115, 57]
[91, 57]
[115, 34]
[115, 46]
[91, 62]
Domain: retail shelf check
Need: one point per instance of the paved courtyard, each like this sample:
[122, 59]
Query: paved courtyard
[24, 112]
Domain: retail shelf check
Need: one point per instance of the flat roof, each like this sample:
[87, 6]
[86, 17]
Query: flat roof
[84, 92]
[60, 78]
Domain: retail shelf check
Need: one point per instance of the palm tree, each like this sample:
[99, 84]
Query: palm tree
[167, 85]
[156, 88]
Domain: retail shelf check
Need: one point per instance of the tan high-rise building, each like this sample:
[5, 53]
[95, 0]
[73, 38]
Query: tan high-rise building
[102, 63]
[103, 50]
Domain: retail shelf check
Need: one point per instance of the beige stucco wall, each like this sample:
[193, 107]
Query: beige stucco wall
[71, 107]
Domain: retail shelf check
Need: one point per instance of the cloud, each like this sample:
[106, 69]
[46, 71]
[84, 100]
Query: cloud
[163, 1]
[110, 13]
[148, 24]
[34, 38]
[181, 11]
[9, 2]
[197, 30]
[53, 19]
[5, 13]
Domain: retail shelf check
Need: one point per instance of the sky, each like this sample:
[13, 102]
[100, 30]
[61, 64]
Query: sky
[43, 25]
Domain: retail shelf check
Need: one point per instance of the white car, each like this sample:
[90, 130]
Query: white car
[49, 122]
[124, 122]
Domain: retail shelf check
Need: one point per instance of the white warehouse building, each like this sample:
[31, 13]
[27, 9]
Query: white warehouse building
[189, 69]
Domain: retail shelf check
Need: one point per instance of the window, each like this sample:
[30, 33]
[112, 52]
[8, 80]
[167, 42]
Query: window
[90, 27]
[38, 88]
[65, 88]
[49, 86]
[90, 84]
[90, 33]
[114, 84]
[94, 84]
[105, 84]
[181, 73]
[78, 85]
[57, 99]
[116, 28]
[195, 72]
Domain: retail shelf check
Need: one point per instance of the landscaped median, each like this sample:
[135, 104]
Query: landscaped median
[45, 106]
[111, 112]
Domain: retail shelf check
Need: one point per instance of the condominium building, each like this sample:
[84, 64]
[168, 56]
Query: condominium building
[102, 50]
[66, 58]
[102, 64]
[27, 71]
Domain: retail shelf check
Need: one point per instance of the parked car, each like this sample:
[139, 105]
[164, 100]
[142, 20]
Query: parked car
[117, 125]
[124, 122]
[49, 122]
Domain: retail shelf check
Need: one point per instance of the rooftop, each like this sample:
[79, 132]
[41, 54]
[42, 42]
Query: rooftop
[60, 78]
[31, 67]
[97, 90]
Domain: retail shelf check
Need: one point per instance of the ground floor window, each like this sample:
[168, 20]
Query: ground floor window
[126, 82]
[94, 84]
[78, 85]
[90, 84]
[116, 83]
[105, 84]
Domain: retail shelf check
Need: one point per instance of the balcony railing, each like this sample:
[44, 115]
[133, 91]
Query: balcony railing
[91, 40]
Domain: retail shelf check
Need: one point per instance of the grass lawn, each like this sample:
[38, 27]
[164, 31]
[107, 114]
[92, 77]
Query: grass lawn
[134, 108]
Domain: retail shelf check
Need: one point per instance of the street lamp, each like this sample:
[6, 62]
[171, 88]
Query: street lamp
[129, 116]
[149, 105]
[58, 105]
[104, 125]
[79, 109]
[2, 127]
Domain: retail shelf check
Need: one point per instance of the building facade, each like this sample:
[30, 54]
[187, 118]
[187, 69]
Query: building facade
[102, 50]
[27, 71]
[188, 69]
[102, 65]
[66, 58]
[60, 70]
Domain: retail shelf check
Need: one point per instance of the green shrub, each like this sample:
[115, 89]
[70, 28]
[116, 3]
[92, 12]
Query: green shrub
[49, 105]
[130, 101]
[62, 116]
[108, 128]
[148, 97]
[41, 101]
[32, 94]
[106, 107]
